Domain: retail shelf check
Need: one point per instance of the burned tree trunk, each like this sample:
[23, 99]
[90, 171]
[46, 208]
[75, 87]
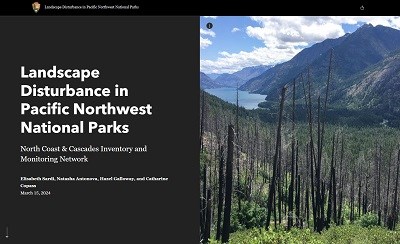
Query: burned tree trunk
[279, 184]
[238, 185]
[352, 195]
[204, 199]
[334, 194]
[321, 133]
[387, 191]
[318, 184]
[228, 190]
[203, 204]
[307, 207]
[393, 217]
[341, 180]
[299, 222]
[207, 228]
[339, 220]
[359, 191]
[220, 192]
[365, 207]
[331, 188]
[271, 192]
[379, 186]
[323, 192]
[292, 174]
[311, 145]
[203, 102]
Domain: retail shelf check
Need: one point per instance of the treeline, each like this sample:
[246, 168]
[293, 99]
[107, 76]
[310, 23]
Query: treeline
[335, 115]
[291, 173]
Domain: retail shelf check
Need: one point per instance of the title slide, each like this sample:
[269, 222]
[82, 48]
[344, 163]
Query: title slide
[99, 129]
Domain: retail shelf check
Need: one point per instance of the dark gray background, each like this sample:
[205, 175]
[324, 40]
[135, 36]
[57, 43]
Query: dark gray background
[157, 58]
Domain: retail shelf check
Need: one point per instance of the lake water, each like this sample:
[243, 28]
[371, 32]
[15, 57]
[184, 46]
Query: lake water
[246, 99]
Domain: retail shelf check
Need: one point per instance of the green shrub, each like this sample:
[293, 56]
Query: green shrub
[250, 216]
[369, 220]
[262, 236]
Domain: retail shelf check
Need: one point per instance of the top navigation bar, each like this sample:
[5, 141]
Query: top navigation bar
[196, 8]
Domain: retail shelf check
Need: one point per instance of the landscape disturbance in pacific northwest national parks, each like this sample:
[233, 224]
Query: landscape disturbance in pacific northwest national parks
[319, 160]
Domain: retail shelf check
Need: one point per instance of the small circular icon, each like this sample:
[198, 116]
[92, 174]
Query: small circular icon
[362, 7]
[209, 25]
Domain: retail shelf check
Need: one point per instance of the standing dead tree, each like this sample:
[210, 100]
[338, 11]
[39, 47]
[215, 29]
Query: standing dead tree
[203, 102]
[203, 203]
[299, 220]
[332, 187]
[292, 169]
[271, 193]
[220, 192]
[341, 183]
[207, 228]
[320, 142]
[393, 216]
[388, 189]
[379, 186]
[311, 155]
[238, 185]
[228, 189]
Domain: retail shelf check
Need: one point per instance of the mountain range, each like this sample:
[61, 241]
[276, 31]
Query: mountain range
[365, 69]
[377, 87]
[235, 79]
[206, 82]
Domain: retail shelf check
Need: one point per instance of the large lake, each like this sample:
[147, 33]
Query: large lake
[246, 99]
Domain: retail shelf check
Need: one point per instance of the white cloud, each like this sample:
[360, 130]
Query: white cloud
[390, 21]
[235, 30]
[232, 62]
[204, 42]
[210, 17]
[207, 32]
[293, 31]
[285, 36]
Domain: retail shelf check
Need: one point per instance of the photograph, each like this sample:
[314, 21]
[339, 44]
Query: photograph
[299, 129]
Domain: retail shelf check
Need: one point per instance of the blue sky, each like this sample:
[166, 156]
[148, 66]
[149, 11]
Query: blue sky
[237, 42]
